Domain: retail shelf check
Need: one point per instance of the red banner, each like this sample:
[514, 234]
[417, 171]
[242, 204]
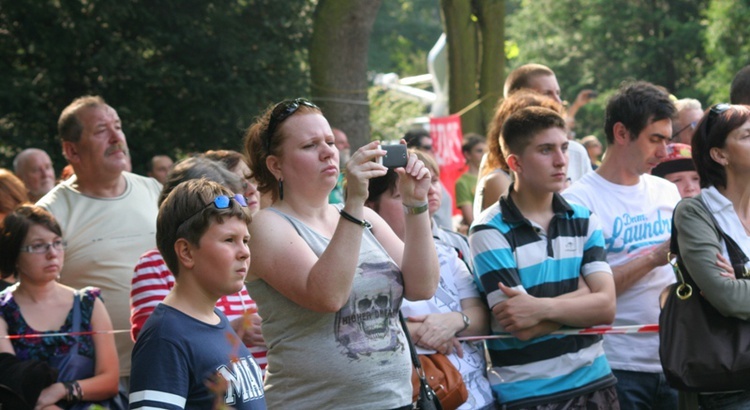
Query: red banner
[447, 138]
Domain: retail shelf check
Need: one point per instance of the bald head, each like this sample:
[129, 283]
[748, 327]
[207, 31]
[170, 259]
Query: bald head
[34, 167]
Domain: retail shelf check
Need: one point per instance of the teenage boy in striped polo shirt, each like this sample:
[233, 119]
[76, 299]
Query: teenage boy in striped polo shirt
[541, 264]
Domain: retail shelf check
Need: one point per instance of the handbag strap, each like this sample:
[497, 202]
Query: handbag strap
[737, 257]
[412, 351]
[76, 320]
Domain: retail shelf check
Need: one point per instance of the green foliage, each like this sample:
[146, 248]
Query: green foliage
[392, 113]
[600, 43]
[727, 46]
[183, 75]
[404, 32]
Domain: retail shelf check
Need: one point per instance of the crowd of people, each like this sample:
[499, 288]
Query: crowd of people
[275, 277]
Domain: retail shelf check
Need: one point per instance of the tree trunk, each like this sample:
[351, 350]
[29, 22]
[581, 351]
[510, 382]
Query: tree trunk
[338, 64]
[491, 16]
[463, 48]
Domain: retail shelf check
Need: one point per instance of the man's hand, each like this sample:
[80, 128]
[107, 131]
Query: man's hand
[584, 97]
[659, 254]
[544, 328]
[520, 311]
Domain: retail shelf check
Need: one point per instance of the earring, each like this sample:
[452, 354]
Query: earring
[281, 189]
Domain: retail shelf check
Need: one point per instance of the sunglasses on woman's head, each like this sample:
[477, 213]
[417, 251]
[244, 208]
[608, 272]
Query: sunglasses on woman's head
[715, 111]
[281, 112]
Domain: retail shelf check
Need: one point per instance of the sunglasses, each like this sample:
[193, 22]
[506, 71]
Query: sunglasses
[220, 202]
[715, 111]
[281, 112]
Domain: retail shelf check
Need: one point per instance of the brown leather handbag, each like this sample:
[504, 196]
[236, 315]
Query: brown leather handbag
[444, 379]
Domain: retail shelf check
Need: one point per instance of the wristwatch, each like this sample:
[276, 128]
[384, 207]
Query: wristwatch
[467, 322]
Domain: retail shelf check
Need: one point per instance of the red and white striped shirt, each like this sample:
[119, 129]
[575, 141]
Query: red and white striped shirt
[151, 283]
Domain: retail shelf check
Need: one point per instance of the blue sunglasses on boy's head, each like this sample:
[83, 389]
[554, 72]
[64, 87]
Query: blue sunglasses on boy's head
[221, 202]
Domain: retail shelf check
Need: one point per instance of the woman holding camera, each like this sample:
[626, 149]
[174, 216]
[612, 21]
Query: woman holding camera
[329, 280]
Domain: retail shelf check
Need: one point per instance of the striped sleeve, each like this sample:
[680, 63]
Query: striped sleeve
[494, 262]
[151, 283]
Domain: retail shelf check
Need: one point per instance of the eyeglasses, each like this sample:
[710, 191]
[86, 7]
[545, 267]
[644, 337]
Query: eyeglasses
[281, 112]
[58, 245]
[220, 202]
[715, 111]
[691, 126]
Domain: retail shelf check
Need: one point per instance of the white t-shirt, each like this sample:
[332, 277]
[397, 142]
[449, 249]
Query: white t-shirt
[579, 163]
[634, 220]
[106, 236]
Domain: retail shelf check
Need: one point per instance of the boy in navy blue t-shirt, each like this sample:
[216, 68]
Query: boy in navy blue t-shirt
[187, 344]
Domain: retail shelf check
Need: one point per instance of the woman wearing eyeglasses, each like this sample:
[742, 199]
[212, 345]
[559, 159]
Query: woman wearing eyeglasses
[329, 279]
[32, 250]
[721, 152]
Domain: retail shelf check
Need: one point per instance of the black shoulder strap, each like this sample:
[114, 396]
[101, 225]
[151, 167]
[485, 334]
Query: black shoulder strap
[412, 348]
[737, 257]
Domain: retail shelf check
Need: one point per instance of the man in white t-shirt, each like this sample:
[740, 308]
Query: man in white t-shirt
[107, 215]
[635, 209]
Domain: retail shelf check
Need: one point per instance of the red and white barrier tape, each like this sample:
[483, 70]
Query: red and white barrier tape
[59, 334]
[598, 330]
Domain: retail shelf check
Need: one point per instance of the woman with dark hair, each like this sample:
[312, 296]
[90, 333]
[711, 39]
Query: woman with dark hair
[721, 152]
[32, 250]
[329, 279]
